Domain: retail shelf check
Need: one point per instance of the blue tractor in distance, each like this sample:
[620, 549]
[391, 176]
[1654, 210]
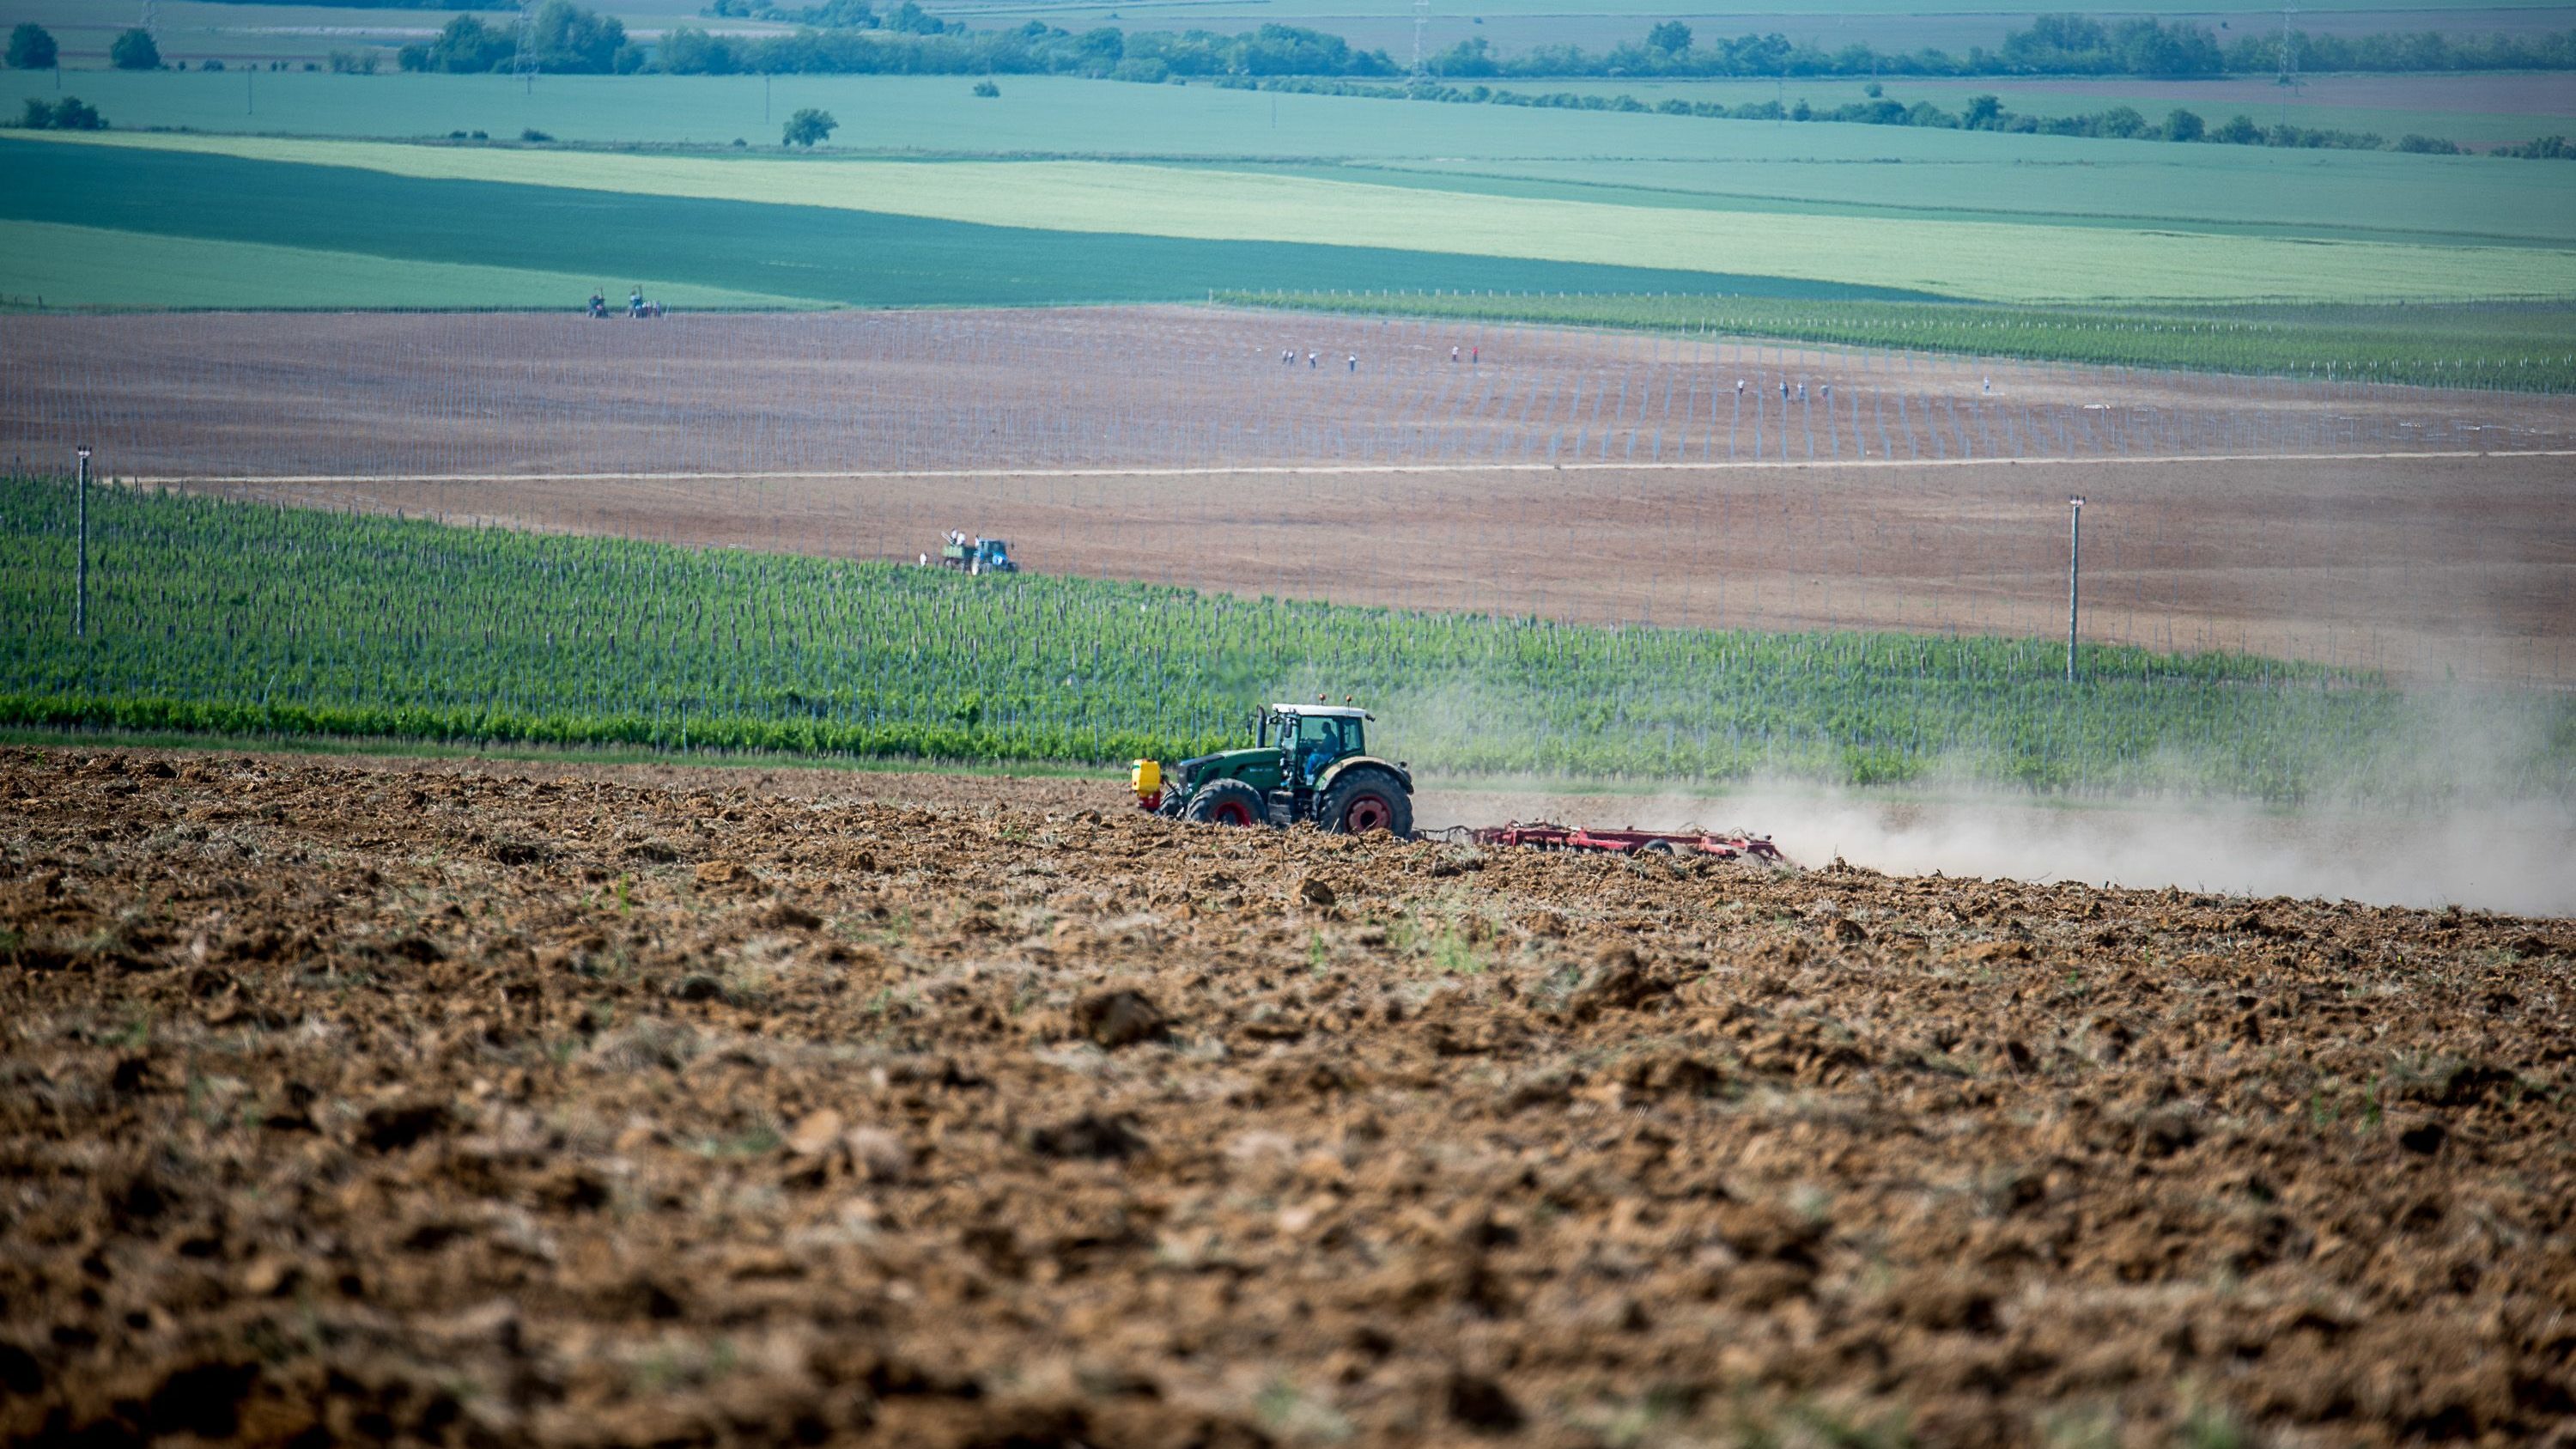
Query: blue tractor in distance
[978, 555]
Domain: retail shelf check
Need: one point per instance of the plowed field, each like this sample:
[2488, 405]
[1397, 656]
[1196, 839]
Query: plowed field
[357, 1102]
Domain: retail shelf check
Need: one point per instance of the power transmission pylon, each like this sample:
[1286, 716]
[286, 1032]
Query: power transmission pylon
[1421, 18]
[525, 60]
[2288, 80]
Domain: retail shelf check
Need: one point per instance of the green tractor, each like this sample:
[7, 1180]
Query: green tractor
[1307, 762]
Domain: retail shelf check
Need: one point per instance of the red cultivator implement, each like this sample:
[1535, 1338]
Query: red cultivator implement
[1543, 835]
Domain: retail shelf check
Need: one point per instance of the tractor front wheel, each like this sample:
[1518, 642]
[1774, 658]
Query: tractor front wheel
[1227, 802]
[1363, 801]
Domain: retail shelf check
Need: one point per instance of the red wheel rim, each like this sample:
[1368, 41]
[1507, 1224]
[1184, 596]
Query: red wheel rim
[1232, 813]
[1367, 813]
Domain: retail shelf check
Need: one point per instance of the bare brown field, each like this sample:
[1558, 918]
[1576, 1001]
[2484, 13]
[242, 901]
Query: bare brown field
[389, 395]
[451, 1105]
[2427, 567]
[1588, 476]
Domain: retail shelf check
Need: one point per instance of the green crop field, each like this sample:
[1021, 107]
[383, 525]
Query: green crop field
[2520, 347]
[547, 247]
[1942, 257]
[1628, 159]
[79, 266]
[242, 618]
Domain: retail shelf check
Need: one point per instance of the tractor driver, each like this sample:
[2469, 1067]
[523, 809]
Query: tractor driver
[1319, 743]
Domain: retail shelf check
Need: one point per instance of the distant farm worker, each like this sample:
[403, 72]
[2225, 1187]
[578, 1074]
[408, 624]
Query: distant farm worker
[1989, 386]
[1829, 392]
[1310, 358]
[1802, 392]
[635, 302]
[598, 303]
[1784, 389]
[1453, 354]
[1355, 362]
[1739, 389]
[1288, 357]
[1475, 355]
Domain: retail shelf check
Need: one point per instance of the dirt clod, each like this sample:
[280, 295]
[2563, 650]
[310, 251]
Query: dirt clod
[1090, 1135]
[393, 1126]
[1120, 1018]
[1482, 1405]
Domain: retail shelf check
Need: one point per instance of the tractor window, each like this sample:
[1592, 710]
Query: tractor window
[1339, 737]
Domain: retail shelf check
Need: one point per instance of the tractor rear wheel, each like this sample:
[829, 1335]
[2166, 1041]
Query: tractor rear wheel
[1366, 800]
[1226, 802]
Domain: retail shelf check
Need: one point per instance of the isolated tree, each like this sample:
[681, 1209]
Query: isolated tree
[2184, 125]
[1985, 113]
[134, 50]
[809, 126]
[1672, 37]
[71, 113]
[31, 47]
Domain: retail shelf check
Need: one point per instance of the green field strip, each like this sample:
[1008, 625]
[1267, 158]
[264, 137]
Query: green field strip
[57, 266]
[1965, 259]
[2038, 178]
[2520, 347]
[238, 618]
[814, 255]
[1502, 181]
[2223, 190]
[1902, 171]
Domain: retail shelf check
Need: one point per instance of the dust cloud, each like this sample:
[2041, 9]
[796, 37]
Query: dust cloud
[2512, 857]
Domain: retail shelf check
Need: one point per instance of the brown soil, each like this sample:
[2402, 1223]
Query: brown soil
[362, 1101]
[2428, 567]
[1928, 493]
[395, 396]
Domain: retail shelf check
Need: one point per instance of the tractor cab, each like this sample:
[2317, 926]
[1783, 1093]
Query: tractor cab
[1313, 738]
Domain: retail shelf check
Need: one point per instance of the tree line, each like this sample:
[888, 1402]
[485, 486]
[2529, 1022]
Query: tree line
[852, 37]
[2050, 45]
[1982, 113]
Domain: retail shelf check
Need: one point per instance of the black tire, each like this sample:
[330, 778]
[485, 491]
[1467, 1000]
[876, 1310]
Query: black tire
[1227, 802]
[1366, 800]
[1659, 847]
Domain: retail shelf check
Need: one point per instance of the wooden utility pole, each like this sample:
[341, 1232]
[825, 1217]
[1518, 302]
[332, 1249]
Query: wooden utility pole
[80, 572]
[2074, 576]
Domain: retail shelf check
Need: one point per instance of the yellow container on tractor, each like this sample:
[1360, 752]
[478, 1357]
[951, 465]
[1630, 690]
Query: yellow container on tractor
[1148, 779]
